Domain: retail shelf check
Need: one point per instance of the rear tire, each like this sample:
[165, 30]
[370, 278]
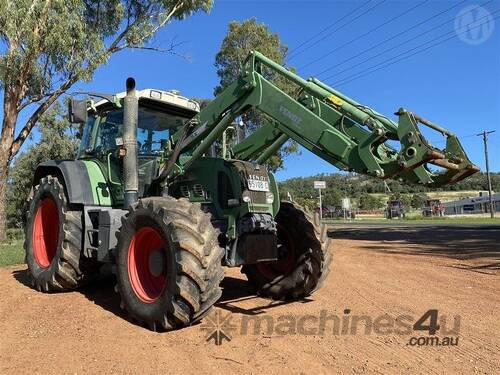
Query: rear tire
[53, 240]
[168, 263]
[307, 263]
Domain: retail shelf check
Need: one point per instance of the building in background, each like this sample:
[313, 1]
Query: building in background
[475, 205]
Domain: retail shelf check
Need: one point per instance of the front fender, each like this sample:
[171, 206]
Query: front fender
[83, 180]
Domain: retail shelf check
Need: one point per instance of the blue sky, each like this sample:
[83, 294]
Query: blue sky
[455, 84]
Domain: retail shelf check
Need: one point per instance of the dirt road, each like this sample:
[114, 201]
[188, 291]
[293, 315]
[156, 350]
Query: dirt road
[389, 276]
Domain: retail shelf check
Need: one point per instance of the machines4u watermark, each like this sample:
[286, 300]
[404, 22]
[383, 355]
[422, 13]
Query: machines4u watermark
[429, 329]
[474, 24]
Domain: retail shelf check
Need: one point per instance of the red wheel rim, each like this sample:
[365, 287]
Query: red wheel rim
[45, 232]
[147, 277]
[272, 270]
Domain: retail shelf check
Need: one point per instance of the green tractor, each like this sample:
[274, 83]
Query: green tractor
[149, 194]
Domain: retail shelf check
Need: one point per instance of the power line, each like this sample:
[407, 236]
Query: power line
[364, 34]
[360, 74]
[292, 51]
[368, 71]
[337, 29]
[459, 136]
[395, 36]
[399, 45]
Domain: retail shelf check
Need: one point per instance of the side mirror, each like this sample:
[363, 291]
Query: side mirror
[77, 111]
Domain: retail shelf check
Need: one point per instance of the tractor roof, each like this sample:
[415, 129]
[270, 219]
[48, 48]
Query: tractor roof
[161, 98]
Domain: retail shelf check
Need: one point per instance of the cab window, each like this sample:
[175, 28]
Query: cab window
[108, 131]
[85, 142]
[153, 132]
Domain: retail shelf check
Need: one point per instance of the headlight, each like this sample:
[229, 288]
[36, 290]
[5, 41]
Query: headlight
[269, 197]
[246, 197]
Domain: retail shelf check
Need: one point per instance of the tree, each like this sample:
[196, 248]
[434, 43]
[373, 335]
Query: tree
[46, 46]
[309, 203]
[332, 197]
[241, 38]
[58, 140]
[418, 200]
[369, 202]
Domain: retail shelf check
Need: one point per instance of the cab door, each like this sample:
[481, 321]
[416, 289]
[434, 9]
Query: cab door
[107, 141]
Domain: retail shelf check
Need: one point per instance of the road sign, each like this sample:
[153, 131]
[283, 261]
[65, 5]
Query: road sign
[346, 203]
[320, 184]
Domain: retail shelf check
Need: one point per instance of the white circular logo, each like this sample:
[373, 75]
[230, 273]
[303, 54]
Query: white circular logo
[474, 24]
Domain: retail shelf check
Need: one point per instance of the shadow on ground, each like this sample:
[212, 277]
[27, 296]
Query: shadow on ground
[234, 291]
[22, 277]
[468, 243]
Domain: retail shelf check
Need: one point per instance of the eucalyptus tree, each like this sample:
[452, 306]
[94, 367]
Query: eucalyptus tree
[241, 38]
[46, 46]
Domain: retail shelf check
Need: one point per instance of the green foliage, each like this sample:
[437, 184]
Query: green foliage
[418, 200]
[370, 202]
[47, 46]
[60, 39]
[332, 197]
[478, 181]
[243, 37]
[57, 141]
[355, 186]
[308, 203]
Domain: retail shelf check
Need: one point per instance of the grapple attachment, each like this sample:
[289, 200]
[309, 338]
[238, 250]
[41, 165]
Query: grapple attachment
[417, 155]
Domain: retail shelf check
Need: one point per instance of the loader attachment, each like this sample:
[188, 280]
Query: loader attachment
[328, 123]
[418, 156]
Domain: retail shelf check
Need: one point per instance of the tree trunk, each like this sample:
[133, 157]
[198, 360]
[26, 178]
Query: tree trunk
[3, 202]
[6, 139]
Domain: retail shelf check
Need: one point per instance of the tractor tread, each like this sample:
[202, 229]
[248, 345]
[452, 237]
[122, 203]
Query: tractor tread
[198, 270]
[69, 269]
[312, 265]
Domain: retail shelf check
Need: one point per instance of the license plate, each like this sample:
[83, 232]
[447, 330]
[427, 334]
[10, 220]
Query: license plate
[257, 185]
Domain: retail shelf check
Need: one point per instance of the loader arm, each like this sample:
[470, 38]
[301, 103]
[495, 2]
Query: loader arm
[342, 132]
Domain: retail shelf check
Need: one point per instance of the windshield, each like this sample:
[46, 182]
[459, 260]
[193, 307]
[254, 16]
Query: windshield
[153, 131]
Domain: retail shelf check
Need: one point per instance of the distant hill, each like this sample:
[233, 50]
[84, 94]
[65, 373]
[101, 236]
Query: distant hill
[355, 186]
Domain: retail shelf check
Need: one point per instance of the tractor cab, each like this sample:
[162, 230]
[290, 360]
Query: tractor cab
[160, 115]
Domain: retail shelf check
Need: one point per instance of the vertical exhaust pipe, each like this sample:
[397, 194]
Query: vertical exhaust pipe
[130, 119]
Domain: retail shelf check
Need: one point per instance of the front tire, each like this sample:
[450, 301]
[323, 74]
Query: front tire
[53, 240]
[306, 258]
[168, 263]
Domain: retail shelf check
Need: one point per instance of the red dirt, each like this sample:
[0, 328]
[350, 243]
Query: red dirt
[401, 273]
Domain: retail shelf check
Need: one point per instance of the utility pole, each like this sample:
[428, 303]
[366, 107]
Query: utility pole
[485, 134]
[320, 207]
[320, 185]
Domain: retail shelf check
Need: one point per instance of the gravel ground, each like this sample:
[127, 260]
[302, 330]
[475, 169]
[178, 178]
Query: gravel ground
[383, 275]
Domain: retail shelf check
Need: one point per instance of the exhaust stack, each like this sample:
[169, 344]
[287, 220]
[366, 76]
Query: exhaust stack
[130, 119]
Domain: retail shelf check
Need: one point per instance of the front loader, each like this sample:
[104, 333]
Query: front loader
[148, 194]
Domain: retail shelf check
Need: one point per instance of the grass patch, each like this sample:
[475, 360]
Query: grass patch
[11, 253]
